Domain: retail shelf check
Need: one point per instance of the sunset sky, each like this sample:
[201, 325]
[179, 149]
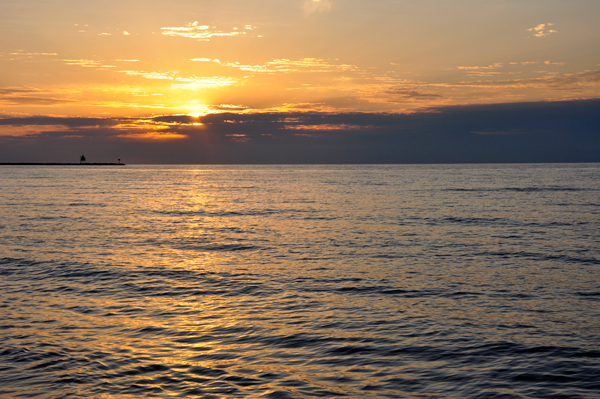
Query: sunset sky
[84, 70]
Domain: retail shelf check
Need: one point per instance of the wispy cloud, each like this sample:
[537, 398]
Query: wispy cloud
[193, 30]
[195, 82]
[312, 6]
[203, 60]
[228, 108]
[190, 82]
[485, 70]
[325, 127]
[27, 96]
[542, 30]
[553, 63]
[84, 63]
[88, 64]
[286, 65]
[404, 94]
[33, 100]
[574, 80]
[150, 75]
[22, 53]
[13, 91]
[132, 128]
[476, 68]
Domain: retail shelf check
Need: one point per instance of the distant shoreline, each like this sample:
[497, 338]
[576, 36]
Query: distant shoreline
[61, 164]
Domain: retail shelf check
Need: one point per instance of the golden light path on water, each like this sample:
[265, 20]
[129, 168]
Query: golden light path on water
[299, 281]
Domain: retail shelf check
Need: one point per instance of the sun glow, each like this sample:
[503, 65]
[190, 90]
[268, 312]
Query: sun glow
[196, 110]
[319, 56]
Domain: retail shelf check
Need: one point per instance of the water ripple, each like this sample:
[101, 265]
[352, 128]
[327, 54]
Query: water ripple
[300, 282]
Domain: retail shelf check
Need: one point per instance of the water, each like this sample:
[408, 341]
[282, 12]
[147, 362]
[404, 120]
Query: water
[463, 281]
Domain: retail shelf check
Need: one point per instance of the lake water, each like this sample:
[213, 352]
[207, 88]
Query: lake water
[443, 281]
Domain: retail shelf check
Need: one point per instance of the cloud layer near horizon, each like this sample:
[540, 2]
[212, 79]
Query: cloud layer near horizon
[524, 132]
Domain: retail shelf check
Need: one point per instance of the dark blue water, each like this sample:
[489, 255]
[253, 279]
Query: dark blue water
[462, 281]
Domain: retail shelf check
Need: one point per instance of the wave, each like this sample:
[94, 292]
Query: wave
[523, 189]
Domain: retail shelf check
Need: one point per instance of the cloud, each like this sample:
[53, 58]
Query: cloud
[486, 70]
[84, 63]
[476, 68]
[31, 55]
[286, 65]
[12, 91]
[519, 132]
[484, 73]
[402, 94]
[324, 127]
[553, 63]
[30, 100]
[199, 32]
[584, 79]
[26, 96]
[542, 30]
[195, 82]
[68, 122]
[312, 6]
[150, 75]
[88, 64]
[191, 82]
[228, 107]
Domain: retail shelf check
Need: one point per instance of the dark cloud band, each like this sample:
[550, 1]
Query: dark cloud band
[520, 132]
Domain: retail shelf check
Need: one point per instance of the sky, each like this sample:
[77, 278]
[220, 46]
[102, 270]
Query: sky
[325, 81]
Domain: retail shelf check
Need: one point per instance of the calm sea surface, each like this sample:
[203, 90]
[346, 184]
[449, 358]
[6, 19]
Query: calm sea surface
[462, 281]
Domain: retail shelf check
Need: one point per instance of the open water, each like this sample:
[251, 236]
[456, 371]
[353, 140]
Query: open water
[445, 281]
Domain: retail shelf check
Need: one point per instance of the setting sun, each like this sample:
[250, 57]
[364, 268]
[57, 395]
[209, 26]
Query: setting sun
[261, 62]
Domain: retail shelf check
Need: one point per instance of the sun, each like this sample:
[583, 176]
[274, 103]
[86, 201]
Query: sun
[197, 110]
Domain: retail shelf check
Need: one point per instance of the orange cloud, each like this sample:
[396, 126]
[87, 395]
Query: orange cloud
[286, 65]
[195, 31]
[324, 127]
[541, 30]
[475, 68]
